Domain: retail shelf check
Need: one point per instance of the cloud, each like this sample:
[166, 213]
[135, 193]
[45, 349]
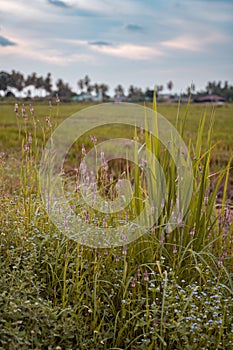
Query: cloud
[129, 51]
[134, 27]
[40, 12]
[100, 43]
[183, 43]
[100, 7]
[28, 49]
[195, 43]
[58, 3]
[6, 42]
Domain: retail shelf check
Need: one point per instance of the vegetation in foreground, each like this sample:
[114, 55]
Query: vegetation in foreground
[160, 292]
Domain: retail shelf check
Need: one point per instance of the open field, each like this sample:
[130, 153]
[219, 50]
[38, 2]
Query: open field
[222, 132]
[166, 290]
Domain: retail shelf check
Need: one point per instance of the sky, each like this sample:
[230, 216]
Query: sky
[139, 42]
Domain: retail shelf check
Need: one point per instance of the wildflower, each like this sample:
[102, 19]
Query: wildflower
[30, 139]
[31, 110]
[123, 235]
[93, 139]
[105, 165]
[146, 276]
[23, 110]
[83, 150]
[57, 98]
[87, 217]
[24, 114]
[2, 158]
[220, 261]
[48, 122]
[117, 258]
[26, 148]
[153, 230]
[102, 156]
[133, 282]
[139, 272]
[174, 249]
[16, 110]
[111, 178]
[76, 170]
[192, 232]
[124, 250]
[152, 208]
[161, 239]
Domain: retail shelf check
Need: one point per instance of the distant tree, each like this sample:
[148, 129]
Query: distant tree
[104, 88]
[170, 85]
[149, 94]
[17, 81]
[131, 90]
[48, 83]
[96, 88]
[119, 90]
[80, 84]
[86, 81]
[63, 89]
[90, 88]
[225, 87]
[219, 86]
[5, 81]
[135, 93]
[31, 80]
[210, 87]
[190, 89]
[159, 88]
[39, 84]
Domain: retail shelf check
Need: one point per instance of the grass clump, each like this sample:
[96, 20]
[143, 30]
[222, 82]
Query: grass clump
[166, 290]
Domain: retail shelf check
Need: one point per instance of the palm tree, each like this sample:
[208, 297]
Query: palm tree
[48, 84]
[63, 89]
[131, 91]
[31, 80]
[104, 88]
[39, 83]
[17, 81]
[90, 88]
[86, 81]
[5, 81]
[80, 84]
[96, 88]
[170, 85]
[119, 90]
[190, 89]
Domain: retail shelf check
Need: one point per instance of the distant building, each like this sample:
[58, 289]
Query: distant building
[119, 98]
[86, 96]
[210, 98]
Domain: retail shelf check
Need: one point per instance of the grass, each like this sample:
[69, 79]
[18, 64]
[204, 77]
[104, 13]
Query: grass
[166, 290]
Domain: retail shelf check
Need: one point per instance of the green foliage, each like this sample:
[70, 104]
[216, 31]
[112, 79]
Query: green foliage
[163, 291]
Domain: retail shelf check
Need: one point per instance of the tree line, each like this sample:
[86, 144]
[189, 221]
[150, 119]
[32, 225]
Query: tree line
[35, 85]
